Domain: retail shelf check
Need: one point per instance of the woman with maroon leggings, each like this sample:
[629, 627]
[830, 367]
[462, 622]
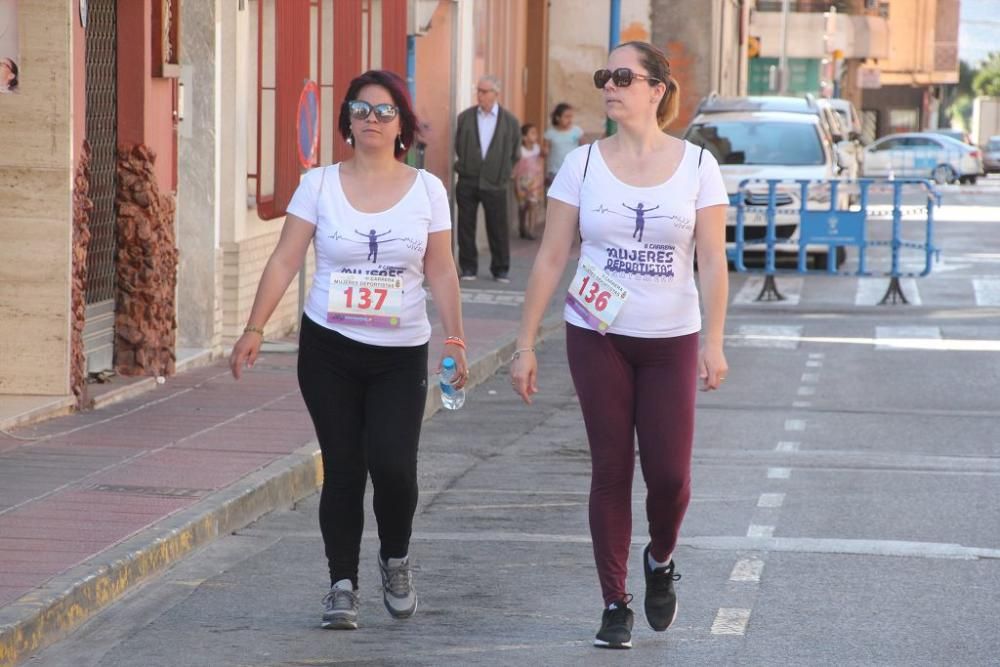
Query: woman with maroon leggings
[633, 319]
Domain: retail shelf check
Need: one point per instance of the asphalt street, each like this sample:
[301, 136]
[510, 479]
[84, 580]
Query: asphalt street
[846, 510]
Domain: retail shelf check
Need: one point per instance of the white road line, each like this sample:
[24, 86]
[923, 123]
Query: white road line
[786, 446]
[795, 424]
[760, 531]
[888, 337]
[814, 364]
[766, 336]
[871, 290]
[810, 378]
[779, 473]
[987, 291]
[806, 391]
[747, 570]
[771, 500]
[817, 355]
[731, 621]
[790, 287]
[801, 404]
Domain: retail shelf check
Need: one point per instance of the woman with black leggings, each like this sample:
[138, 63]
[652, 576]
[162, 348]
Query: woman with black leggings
[379, 228]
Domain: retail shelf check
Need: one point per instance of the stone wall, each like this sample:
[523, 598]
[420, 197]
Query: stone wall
[146, 313]
[82, 206]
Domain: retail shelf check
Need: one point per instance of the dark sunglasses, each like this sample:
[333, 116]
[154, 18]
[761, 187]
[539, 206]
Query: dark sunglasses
[384, 113]
[622, 77]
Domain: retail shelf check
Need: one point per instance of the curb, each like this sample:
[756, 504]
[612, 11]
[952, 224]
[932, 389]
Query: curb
[52, 611]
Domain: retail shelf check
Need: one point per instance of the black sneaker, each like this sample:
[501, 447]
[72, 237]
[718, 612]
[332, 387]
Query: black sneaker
[616, 626]
[501, 277]
[661, 601]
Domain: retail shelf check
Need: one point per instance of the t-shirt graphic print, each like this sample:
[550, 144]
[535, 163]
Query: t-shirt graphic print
[643, 237]
[368, 283]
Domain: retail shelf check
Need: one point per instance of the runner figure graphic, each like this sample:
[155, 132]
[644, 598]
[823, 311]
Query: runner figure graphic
[640, 217]
[373, 241]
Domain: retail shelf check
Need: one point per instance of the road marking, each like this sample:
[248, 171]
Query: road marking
[887, 336]
[987, 291]
[785, 446]
[789, 287]
[810, 378]
[801, 404]
[871, 290]
[748, 570]
[817, 355]
[760, 531]
[513, 506]
[766, 336]
[930, 344]
[806, 391]
[493, 297]
[814, 364]
[779, 473]
[771, 500]
[731, 621]
[795, 424]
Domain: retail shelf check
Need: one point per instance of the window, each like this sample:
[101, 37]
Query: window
[888, 145]
[761, 143]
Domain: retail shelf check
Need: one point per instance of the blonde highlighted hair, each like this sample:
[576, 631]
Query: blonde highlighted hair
[658, 67]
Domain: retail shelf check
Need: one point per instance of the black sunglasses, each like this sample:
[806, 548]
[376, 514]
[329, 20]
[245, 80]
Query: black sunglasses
[384, 113]
[622, 77]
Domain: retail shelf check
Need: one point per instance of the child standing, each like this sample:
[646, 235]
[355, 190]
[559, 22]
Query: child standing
[528, 181]
[560, 139]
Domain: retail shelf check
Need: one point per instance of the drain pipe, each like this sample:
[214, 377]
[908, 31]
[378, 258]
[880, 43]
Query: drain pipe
[614, 35]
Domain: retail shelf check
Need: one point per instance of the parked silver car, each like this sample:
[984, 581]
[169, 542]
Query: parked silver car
[923, 155]
[991, 155]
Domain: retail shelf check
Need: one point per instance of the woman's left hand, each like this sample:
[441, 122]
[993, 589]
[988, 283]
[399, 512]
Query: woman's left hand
[712, 367]
[461, 365]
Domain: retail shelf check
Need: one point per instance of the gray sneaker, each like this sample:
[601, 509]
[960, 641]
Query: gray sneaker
[340, 607]
[397, 586]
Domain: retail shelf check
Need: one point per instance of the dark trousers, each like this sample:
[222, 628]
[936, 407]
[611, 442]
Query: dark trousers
[632, 387]
[367, 404]
[469, 195]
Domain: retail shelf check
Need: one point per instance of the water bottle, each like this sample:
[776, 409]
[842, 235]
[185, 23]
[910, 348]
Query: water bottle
[451, 398]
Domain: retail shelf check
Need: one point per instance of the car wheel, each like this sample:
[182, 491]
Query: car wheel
[943, 174]
[972, 180]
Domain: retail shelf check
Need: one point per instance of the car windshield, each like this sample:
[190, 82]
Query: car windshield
[994, 145]
[760, 142]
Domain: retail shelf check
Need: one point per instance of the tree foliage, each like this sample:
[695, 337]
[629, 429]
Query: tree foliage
[986, 82]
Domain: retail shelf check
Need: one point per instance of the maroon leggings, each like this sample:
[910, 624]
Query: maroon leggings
[635, 386]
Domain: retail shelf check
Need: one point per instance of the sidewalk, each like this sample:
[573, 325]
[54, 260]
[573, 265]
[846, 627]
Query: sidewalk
[95, 502]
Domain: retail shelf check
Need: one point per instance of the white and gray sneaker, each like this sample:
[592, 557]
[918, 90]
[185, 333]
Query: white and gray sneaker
[340, 607]
[397, 586]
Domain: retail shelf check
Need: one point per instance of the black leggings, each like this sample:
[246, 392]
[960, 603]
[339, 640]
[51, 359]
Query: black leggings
[367, 404]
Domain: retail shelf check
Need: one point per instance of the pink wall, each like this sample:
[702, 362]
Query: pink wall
[79, 38]
[433, 89]
[145, 104]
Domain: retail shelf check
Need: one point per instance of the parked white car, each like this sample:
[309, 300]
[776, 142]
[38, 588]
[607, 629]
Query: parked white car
[923, 155]
[770, 145]
[991, 156]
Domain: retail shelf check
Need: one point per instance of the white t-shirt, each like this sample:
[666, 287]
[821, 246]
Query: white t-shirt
[389, 243]
[643, 237]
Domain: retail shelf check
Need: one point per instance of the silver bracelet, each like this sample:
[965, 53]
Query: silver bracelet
[517, 353]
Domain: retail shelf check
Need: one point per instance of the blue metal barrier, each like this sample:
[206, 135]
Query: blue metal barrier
[831, 226]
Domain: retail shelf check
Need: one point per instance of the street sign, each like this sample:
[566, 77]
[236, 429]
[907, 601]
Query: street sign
[307, 124]
[869, 77]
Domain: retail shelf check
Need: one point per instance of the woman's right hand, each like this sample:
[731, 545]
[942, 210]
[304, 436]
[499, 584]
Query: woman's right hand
[524, 375]
[245, 352]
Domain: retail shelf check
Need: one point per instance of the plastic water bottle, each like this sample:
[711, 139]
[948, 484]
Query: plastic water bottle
[451, 398]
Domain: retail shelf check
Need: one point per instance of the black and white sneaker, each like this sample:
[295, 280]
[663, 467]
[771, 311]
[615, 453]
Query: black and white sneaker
[340, 607]
[616, 626]
[661, 600]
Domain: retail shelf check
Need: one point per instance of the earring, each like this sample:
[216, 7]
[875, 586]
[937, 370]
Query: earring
[350, 140]
[399, 141]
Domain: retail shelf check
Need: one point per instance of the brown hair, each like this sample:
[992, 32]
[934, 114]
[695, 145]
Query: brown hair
[658, 67]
